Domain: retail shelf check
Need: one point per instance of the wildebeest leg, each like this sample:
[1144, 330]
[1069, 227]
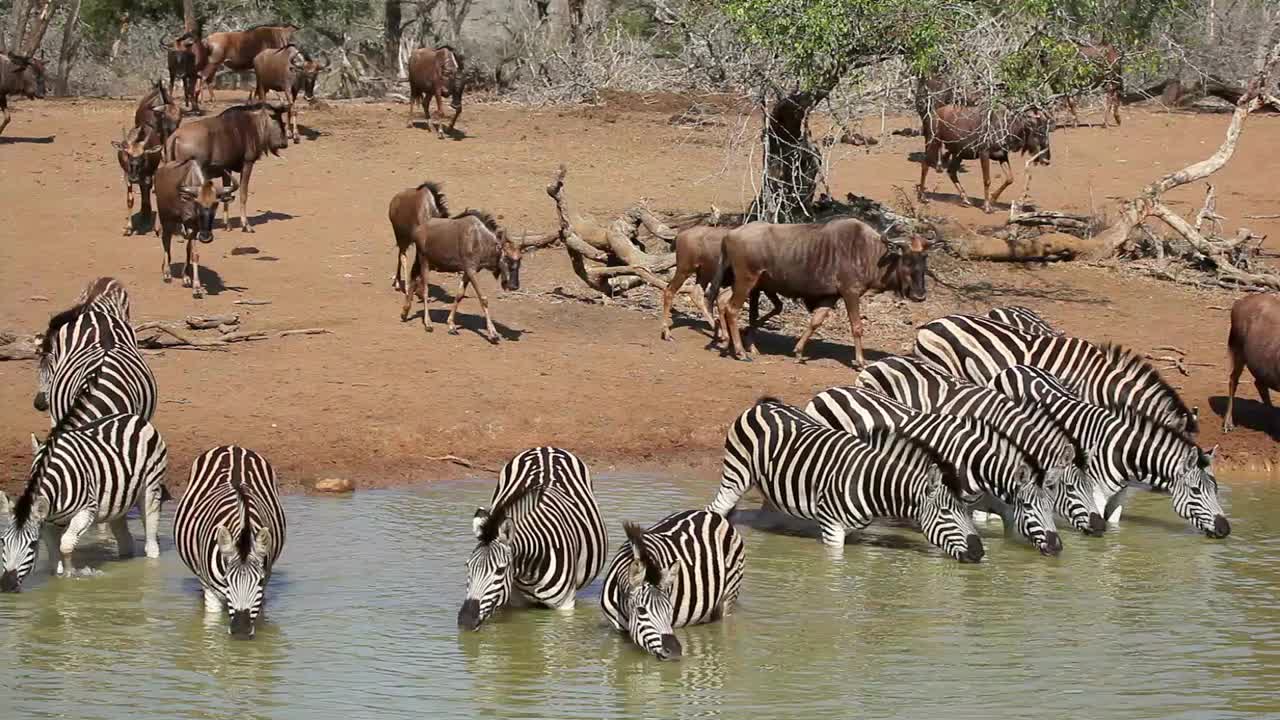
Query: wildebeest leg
[245, 174]
[401, 275]
[669, 293]
[1265, 394]
[128, 201]
[1233, 381]
[4, 108]
[193, 267]
[952, 169]
[166, 238]
[413, 100]
[439, 121]
[457, 300]
[985, 161]
[293, 119]
[226, 204]
[457, 110]
[753, 319]
[853, 306]
[818, 317]
[743, 284]
[932, 150]
[144, 187]
[484, 305]
[777, 306]
[1007, 171]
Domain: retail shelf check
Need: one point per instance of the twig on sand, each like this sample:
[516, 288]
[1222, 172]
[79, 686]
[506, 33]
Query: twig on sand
[251, 302]
[461, 461]
[306, 331]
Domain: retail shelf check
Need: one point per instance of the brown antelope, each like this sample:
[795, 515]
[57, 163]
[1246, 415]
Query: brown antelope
[1254, 342]
[410, 208]
[187, 204]
[432, 72]
[971, 133]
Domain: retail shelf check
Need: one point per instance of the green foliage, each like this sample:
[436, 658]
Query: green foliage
[328, 17]
[102, 18]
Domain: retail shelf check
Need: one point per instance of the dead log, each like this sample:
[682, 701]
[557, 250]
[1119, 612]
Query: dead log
[14, 346]
[203, 322]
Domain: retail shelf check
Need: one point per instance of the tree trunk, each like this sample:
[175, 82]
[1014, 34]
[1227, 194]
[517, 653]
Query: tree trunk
[791, 162]
[36, 36]
[18, 15]
[576, 8]
[69, 50]
[392, 29]
[189, 22]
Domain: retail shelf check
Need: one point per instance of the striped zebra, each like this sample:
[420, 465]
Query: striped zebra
[925, 388]
[1124, 445]
[977, 348]
[684, 570]
[1024, 319]
[229, 529]
[809, 470]
[82, 476]
[542, 536]
[94, 336]
[994, 473]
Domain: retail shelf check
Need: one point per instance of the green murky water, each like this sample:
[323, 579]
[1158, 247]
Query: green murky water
[1152, 621]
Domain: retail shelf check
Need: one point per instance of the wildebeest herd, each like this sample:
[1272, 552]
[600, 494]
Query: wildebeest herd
[1002, 415]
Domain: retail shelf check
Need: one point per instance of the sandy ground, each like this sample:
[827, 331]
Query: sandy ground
[375, 398]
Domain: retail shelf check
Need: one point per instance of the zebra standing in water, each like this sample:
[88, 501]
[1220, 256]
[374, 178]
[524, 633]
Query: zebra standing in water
[809, 470]
[79, 477]
[925, 388]
[685, 570]
[94, 335]
[994, 472]
[1024, 319]
[1125, 445]
[229, 529]
[541, 540]
[977, 348]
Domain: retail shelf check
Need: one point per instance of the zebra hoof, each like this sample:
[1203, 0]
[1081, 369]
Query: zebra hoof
[453, 331]
[153, 550]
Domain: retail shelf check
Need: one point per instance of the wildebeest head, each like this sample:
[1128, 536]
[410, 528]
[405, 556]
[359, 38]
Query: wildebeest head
[135, 156]
[271, 127]
[204, 201]
[30, 76]
[907, 263]
[1032, 135]
[308, 71]
[448, 64]
[508, 271]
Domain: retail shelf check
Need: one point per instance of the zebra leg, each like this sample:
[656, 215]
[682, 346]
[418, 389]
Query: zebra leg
[49, 532]
[150, 511]
[833, 533]
[124, 538]
[212, 603]
[80, 522]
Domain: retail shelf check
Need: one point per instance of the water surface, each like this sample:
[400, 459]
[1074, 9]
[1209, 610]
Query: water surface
[1151, 621]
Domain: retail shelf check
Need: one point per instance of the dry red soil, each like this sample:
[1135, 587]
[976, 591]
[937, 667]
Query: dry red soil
[375, 398]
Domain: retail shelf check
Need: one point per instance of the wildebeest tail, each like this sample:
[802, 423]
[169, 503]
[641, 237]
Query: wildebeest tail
[713, 290]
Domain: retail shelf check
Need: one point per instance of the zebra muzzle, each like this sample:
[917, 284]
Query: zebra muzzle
[1097, 525]
[9, 581]
[670, 649]
[1221, 527]
[241, 625]
[1052, 544]
[469, 615]
[40, 402]
[973, 551]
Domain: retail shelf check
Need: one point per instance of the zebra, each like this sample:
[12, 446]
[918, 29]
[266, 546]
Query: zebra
[977, 348]
[809, 470]
[994, 472]
[1126, 445]
[81, 476]
[684, 570]
[229, 530]
[94, 336]
[1024, 319]
[925, 388]
[542, 536]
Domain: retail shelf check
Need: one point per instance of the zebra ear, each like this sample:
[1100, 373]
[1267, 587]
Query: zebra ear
[477, 521]
[506, 530]
[261, 543]
[636, 574]
[932, 480]
[35, 443]
[668, 579]
[40, 509]
[226, 543]
[6, 505]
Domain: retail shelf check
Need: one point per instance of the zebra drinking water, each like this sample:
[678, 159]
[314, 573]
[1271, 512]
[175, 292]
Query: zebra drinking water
[94, 336]
[1124, 445]
[928, 389]
[993, 471]
[977, 348]
[809, 470]
[79, 477]
[684, 570]
[541, 540]
[229, 529]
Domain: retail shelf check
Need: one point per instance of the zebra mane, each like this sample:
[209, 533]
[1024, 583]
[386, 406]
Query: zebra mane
[635, 536]
[768, 400]
[22, 508]
[1045, 420]
[244, 540]
[1126, 360]
[438, 194]
[1146, 421]
[975, 425]
[916, 454]
[499, 513]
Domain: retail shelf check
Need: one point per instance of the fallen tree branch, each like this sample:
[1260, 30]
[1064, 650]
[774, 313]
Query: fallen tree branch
[251, 302]
[201, 322]
[461, 461]
[306, 331]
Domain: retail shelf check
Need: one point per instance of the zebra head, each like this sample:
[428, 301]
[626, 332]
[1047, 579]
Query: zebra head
[1033, 513]
[945, 520]
[44, 380]
[245, 574]
[1195, 494]
[649, 600]
[1073, 496]
[20, 540]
